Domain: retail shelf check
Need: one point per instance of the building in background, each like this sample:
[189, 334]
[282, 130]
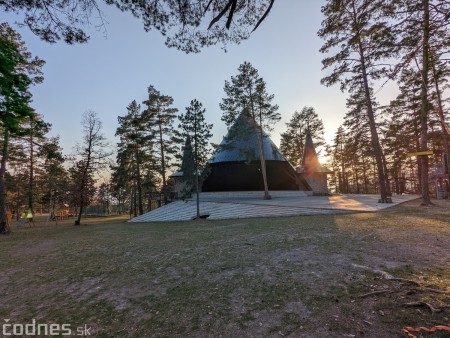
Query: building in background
[311, 170]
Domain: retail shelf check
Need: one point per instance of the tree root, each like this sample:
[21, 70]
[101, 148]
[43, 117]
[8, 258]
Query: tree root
[424, 304]
[442, 292]
[373, 293]
[386, 275]
[418, 287]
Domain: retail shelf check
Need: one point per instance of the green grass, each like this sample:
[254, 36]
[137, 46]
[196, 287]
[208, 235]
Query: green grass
[257, 277]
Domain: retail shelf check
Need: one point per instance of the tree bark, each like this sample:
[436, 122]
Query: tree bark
[31, 178]
[386, 177]
[262, 160]
[259, 136]
[343, 186]
[135, 212]
[84, 180]
[378, 151]
[366, 185]
[426, 201]
[139, 184]
[163, 163]
[197, 191]
[4, 229]
[444, 126]
[355, 170]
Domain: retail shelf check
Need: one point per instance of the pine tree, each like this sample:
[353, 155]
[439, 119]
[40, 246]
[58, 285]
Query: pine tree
[358, 141]
[159, 118]
[359, 31]
[197, 133]
[340, 159]
[187, 168]
[104, 197]
[34, 132]
[440, 74]
[18, 72]
[247, 97]
[425, 105]
[54, 180]
[120, 186]
[16, 177]
[293, 139]
[134, 151]
[188, 25]
[424, 38]
[402, 130]
[331, 163]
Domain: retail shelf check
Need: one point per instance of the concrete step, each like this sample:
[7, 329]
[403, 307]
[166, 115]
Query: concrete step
[185, 211]
[229, 195]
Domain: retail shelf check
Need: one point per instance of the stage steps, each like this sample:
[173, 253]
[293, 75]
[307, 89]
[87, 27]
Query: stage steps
[186, 211]
[204, 196]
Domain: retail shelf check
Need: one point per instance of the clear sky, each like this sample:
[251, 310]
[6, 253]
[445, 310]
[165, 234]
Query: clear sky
[106, 74]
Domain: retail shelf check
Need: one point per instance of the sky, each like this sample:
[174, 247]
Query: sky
[110, 71]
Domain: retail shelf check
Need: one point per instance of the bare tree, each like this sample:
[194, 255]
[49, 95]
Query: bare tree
[93, 153]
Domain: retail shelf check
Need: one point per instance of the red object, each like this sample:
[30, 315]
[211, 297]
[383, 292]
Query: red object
[409, 329]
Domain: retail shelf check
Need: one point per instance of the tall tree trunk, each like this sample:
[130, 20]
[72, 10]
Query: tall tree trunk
[417, 145]
[262, 160]
[82, 193]
[139, 185]
[31, 178]
[259, 136]
[375, 174]
[84, 180]
[131, 203]
[373, 128]
[343, 187]
[163, 163]
[197, 190]
[80, 209]
[3, 200]
[18, 197]
[366, 187]
[149, 202]
[134, 201]
[335, 181]
[386, 176]
[444, 126]
[397, 178]
[378, 151]
[424, 104]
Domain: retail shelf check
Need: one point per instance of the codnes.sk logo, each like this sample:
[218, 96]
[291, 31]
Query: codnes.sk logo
[42, 329]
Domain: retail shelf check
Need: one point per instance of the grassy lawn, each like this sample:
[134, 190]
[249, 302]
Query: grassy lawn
[308, 276]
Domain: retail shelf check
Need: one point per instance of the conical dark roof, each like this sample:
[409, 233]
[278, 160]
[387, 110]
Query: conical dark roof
[187, 162]
[235, 166]
[310, 160]
[241, 145]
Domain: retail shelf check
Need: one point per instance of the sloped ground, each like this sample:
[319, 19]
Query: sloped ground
[307, 276]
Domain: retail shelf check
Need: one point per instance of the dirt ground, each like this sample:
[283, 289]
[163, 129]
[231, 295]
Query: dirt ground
[356, 275]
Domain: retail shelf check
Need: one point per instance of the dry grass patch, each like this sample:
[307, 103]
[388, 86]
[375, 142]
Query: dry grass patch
[294, 276]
